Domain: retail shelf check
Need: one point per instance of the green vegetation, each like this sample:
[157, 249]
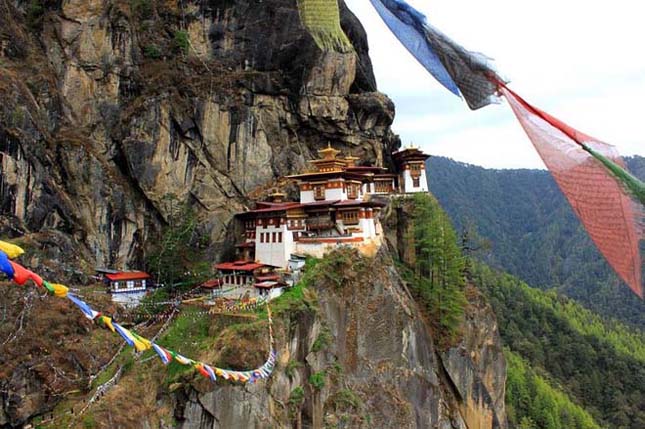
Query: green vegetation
[181, 42]
[534, 233]
[323, 340]
[346, 398]
[34, 13]
[152, 51]
[339, 268]
[600, 365]
[532, 403]
[317, 380]
[296, 399]
[188, 335]
[142, 9]
[292, 367]
[178, 257]
[437, 278]
[89, 422]
[297, 396]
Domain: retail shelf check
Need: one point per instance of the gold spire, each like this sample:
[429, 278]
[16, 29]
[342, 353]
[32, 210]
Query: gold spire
[328, 153]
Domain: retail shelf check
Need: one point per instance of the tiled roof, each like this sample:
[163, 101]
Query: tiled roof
[127, 275]
[239, 266]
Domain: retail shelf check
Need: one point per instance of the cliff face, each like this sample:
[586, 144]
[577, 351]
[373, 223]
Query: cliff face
[109, 107]
[368, 342]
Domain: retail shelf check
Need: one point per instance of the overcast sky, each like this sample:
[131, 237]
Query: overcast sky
[582, 61]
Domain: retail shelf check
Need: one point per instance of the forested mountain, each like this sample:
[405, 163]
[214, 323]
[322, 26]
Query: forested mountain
[533, 232]
[600, 365]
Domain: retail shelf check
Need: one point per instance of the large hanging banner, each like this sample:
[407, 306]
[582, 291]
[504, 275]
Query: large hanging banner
[322, 19]
[459, 70]
[608, 200]
[603, 203]
[20, 275]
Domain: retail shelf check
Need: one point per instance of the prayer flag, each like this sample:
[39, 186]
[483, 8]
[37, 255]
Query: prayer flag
[182, 359]
[86, 309]
[140, 343]
[56, 289]
[608, 208]
[165, 356]
[107, 322]
[456, 68]
[10, 249]
[321, 18]
[5, 265]
[125, 334]
[22, 274]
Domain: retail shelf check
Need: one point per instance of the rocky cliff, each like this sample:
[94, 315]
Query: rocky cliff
[367, 341]
[354, 351]
[109, 107]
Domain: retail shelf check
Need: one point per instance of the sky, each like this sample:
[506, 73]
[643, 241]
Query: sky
[582, 61]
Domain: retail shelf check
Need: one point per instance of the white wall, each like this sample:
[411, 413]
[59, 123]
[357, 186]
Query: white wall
[335, 194]
[270, 253]
[408, 183]
[306, 197]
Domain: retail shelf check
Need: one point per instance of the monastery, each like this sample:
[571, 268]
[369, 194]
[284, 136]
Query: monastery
[337, 207]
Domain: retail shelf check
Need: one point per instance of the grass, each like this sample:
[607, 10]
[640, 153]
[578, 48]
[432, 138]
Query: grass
[188, 335]
[109, 372]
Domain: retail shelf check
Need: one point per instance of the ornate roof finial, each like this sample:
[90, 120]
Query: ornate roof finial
[329, 152]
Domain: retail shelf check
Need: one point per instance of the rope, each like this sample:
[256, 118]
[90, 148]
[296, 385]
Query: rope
[21, 276]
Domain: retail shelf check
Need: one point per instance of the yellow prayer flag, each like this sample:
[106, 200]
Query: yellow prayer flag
[11, 250]
[108, 322]
[60, 290]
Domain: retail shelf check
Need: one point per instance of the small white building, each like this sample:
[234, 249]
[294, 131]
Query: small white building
[411, 164]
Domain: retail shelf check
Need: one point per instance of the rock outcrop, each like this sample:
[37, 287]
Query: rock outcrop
[365, 358]
[109, 107]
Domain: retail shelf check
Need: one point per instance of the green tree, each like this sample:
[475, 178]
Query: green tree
[439, 263]
[178, 257]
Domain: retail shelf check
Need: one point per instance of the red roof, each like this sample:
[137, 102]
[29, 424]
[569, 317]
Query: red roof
[212, 284]
[357, 203]
[322, 203]
[127, 275]
[266, 285]
[277, 207]
[268, 277]
[239, 266]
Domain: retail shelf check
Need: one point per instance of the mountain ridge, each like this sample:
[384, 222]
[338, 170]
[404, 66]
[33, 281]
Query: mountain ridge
[534, 233]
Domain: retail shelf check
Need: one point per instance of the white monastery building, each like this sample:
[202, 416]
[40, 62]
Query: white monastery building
[335, 208]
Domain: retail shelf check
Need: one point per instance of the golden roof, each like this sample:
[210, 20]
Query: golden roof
[329, 153]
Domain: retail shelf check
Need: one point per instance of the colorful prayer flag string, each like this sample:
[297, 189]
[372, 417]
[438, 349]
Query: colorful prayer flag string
[20, 275]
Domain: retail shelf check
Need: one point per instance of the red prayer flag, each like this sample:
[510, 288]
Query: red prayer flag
[21, 275]
[613, 220]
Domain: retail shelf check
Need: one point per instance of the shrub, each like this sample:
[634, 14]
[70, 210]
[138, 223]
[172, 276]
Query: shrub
[181, 41]
[152, 51]
[35, 12]
[317, 380]
[346, 398]
[291, 367]
[323, 341]
[297, 396]
[142, 9]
